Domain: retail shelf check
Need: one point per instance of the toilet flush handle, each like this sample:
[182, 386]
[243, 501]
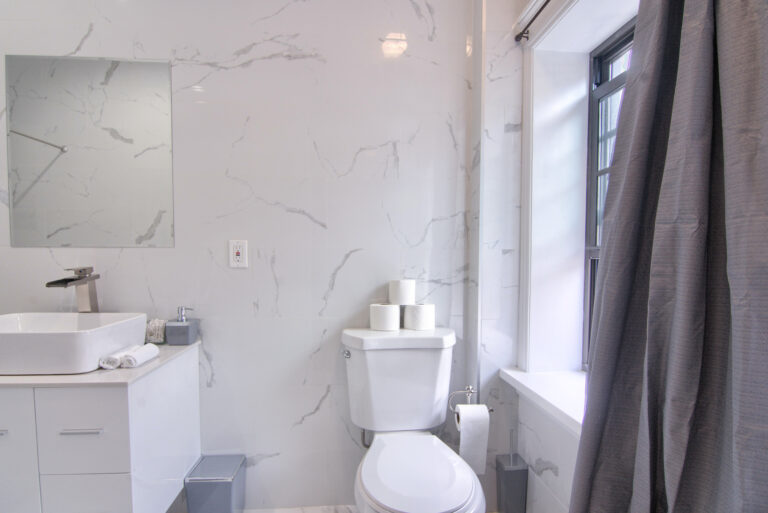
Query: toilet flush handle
[346, 353]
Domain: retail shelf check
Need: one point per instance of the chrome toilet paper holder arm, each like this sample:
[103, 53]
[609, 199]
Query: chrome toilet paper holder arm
[469, 390]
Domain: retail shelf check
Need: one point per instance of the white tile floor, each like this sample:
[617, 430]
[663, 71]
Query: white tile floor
[307, 509]
[180, 506]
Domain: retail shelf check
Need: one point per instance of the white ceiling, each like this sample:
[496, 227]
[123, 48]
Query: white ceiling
[586, 24]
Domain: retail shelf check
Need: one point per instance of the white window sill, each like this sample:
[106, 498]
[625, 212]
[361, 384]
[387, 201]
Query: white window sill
[561, 394]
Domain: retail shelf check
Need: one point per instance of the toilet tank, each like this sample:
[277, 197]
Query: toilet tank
[398, 380]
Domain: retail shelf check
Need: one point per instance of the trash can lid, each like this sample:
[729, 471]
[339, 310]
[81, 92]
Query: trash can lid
[222, 467]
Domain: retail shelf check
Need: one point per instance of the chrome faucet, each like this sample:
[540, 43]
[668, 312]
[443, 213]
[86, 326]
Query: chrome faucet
[84, 282]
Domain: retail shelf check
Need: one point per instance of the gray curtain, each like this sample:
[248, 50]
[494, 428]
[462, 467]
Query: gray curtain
[677, 402]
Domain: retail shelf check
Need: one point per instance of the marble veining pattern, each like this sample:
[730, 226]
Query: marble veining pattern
[540, 466]
[255, 459]
[403, 237]
[427, 18]
[82, 40]
[550, 451]
[498, 154]
[278, 11]
[332, 280]
[108, 181]
[278, 46]
[150, 233]
[206, 364]
[254, 198]
[276, 280]
[342, 168]
[315, 409]
[388, 148]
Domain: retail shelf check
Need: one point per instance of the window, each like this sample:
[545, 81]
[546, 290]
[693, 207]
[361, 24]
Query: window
[609, 63]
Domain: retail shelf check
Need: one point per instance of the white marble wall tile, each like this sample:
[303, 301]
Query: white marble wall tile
[548, 448]
[341, 168]
[500, 142]
[540, 499]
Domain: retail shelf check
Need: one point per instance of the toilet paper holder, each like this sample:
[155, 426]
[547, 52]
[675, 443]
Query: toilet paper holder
[469, 390]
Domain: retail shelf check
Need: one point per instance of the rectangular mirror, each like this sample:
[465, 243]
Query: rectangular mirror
[89, 152]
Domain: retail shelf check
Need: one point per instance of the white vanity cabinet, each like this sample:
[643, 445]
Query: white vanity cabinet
[104, 442]
[19, 481]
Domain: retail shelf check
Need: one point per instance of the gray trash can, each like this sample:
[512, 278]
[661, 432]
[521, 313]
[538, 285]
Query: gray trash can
[216, 485]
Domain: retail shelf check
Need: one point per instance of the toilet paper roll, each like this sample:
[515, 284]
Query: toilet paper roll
[385, 317]
[472, 422]
[419, 317]
[402, 292]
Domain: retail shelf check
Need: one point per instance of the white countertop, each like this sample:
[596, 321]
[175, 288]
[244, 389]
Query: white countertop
[561, 394]
[116, 377]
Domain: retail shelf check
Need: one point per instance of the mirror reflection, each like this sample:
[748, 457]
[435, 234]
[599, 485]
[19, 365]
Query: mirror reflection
[89, 152]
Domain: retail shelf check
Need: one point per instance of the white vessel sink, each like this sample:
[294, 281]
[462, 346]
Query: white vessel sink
[64, 343]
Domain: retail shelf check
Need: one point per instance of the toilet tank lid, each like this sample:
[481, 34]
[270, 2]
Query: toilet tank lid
[366, 340]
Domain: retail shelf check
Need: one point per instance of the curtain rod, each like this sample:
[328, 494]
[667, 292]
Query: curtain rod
[524, 33]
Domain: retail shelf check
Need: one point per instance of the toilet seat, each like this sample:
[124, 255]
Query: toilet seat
[405, 472]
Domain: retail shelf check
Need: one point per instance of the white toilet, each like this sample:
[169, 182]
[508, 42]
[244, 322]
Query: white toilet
[398, 388]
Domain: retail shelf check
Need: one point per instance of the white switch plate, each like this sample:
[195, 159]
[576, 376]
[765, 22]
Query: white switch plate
[238, 253]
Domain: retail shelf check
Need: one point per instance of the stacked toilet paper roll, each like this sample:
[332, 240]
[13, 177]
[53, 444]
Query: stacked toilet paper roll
[384, 317]
[402, 292]
[472, 422]
[419, 317]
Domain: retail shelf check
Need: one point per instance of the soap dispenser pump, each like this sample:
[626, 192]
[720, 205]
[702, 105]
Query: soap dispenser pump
[183, 331]
[181, 313]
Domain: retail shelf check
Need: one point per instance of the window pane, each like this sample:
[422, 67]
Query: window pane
[602, 191]
[619, 64]
[608, 75]
[608, 121]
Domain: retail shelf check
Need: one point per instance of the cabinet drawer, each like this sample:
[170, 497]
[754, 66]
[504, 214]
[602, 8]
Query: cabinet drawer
[94, 493]
[82, 430]
[19, 486]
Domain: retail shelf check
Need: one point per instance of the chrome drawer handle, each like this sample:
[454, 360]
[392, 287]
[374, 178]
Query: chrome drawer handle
[3, 432]
[96, 431]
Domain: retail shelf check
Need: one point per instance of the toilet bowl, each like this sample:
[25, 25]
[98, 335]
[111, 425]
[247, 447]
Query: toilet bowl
[415, 472]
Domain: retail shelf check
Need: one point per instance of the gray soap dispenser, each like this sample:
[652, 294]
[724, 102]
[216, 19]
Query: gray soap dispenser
[183, 331]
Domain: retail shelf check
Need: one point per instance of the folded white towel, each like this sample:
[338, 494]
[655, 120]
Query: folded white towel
[112, 361]
[139, 356]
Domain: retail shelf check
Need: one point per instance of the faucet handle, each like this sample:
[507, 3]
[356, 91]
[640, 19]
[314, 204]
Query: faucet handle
[81, 271]
[181, 313]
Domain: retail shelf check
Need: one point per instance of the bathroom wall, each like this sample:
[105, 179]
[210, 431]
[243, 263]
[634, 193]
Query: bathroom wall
[341, 167]
[498, 197]
[559, 105]
[549, 447]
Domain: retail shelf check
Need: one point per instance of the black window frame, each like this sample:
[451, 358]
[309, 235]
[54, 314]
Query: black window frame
[601, 86]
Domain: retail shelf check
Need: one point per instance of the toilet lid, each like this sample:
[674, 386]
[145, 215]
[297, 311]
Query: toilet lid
[406, 472]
